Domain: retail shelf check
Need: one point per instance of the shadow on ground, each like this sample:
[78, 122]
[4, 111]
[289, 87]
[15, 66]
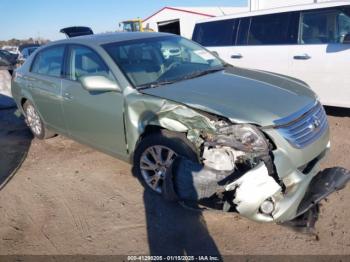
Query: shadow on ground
[337, 111]
[174, 230]
[15, 140]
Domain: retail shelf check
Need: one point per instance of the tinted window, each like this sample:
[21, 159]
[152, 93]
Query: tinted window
[243, 29]
[49, 62]
[217, 33]
[273, 29]
[84, 61]
[326, 26]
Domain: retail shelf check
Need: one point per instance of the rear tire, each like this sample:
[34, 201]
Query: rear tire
[156, 152]
[35, 123]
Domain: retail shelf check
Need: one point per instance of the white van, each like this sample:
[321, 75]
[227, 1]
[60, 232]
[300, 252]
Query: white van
[308, 42]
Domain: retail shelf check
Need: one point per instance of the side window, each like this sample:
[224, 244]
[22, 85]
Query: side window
[275, 29]
[49, 62]
[216, 33]
[84, 61]
[343, 24]
[325, 26]
[243, 29]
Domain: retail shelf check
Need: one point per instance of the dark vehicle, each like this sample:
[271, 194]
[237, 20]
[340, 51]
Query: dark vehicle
[25, 46]
[26, 52]
[8, 61]
[75, 31]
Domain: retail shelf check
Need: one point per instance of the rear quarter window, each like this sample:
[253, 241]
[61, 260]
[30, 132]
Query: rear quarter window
[327, 26]
[216, 33]
[49, 61]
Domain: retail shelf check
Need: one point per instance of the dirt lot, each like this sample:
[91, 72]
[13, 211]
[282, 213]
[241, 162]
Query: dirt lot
[69, 199]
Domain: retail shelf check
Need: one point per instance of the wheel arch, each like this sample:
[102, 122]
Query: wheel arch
[29, 99]
[151, 129]
[22, 102]
[146, 131]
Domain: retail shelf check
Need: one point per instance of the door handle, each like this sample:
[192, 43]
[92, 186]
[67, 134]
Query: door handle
[236, 56]
[302, 57]
[67, 96]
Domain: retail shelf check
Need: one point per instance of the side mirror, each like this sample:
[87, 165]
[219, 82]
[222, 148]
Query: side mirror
[346, 39]
[99, 84]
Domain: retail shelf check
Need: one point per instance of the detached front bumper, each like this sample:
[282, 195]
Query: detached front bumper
[325, 183]
[192, 182]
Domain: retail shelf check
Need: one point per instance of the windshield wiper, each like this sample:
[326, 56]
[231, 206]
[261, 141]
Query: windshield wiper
[203, 72]
[189, 76]
[155, 84]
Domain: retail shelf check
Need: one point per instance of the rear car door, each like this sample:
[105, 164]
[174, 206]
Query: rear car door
[44, 83]
[94, 118]
[321, 59]
[259, 42]
[263, 42]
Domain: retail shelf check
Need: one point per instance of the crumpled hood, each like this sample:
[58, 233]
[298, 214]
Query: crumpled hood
[242, 95]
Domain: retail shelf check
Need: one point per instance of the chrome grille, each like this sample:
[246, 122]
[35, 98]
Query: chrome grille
[304, 127]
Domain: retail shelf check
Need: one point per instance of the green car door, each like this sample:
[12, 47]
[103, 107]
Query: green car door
[44, 85]
[94, 118]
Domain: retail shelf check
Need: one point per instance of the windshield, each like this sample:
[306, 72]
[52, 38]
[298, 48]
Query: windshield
[131, 26]
[161, 60]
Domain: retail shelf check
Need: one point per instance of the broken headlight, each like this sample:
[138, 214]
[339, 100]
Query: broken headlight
[243, 137]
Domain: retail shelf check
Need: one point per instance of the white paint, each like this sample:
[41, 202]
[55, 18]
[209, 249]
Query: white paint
[266, 4]
[326, 70]
[252, 189]
[5, 83]
[282, 9]
[187, 20]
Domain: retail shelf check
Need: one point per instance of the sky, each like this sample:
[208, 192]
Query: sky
[22, 19]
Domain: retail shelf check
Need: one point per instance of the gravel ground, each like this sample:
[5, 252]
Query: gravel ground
[69, 199]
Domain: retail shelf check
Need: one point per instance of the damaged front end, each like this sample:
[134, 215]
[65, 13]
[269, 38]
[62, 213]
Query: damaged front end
[242, 168]
[237, 174]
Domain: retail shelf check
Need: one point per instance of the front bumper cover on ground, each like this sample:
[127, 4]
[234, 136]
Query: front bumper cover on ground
[322, 185]
[187, 181]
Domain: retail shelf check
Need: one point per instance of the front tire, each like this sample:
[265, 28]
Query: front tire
[35, 123]
[156, 152]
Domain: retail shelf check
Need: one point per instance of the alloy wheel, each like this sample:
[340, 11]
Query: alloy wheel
[154, 163]
[33, 120]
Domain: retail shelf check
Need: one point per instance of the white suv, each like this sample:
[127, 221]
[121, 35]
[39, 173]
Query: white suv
[307, 42]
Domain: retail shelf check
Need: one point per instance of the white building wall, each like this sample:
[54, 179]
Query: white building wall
[187, 21]
[266, 4]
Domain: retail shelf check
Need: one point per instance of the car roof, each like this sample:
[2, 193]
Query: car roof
[100, 39]
[279, 10]
[21, 47]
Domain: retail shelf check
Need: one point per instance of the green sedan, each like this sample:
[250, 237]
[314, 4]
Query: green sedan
[195, 128]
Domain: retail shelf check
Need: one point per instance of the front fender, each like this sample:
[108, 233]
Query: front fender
[142, 110]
